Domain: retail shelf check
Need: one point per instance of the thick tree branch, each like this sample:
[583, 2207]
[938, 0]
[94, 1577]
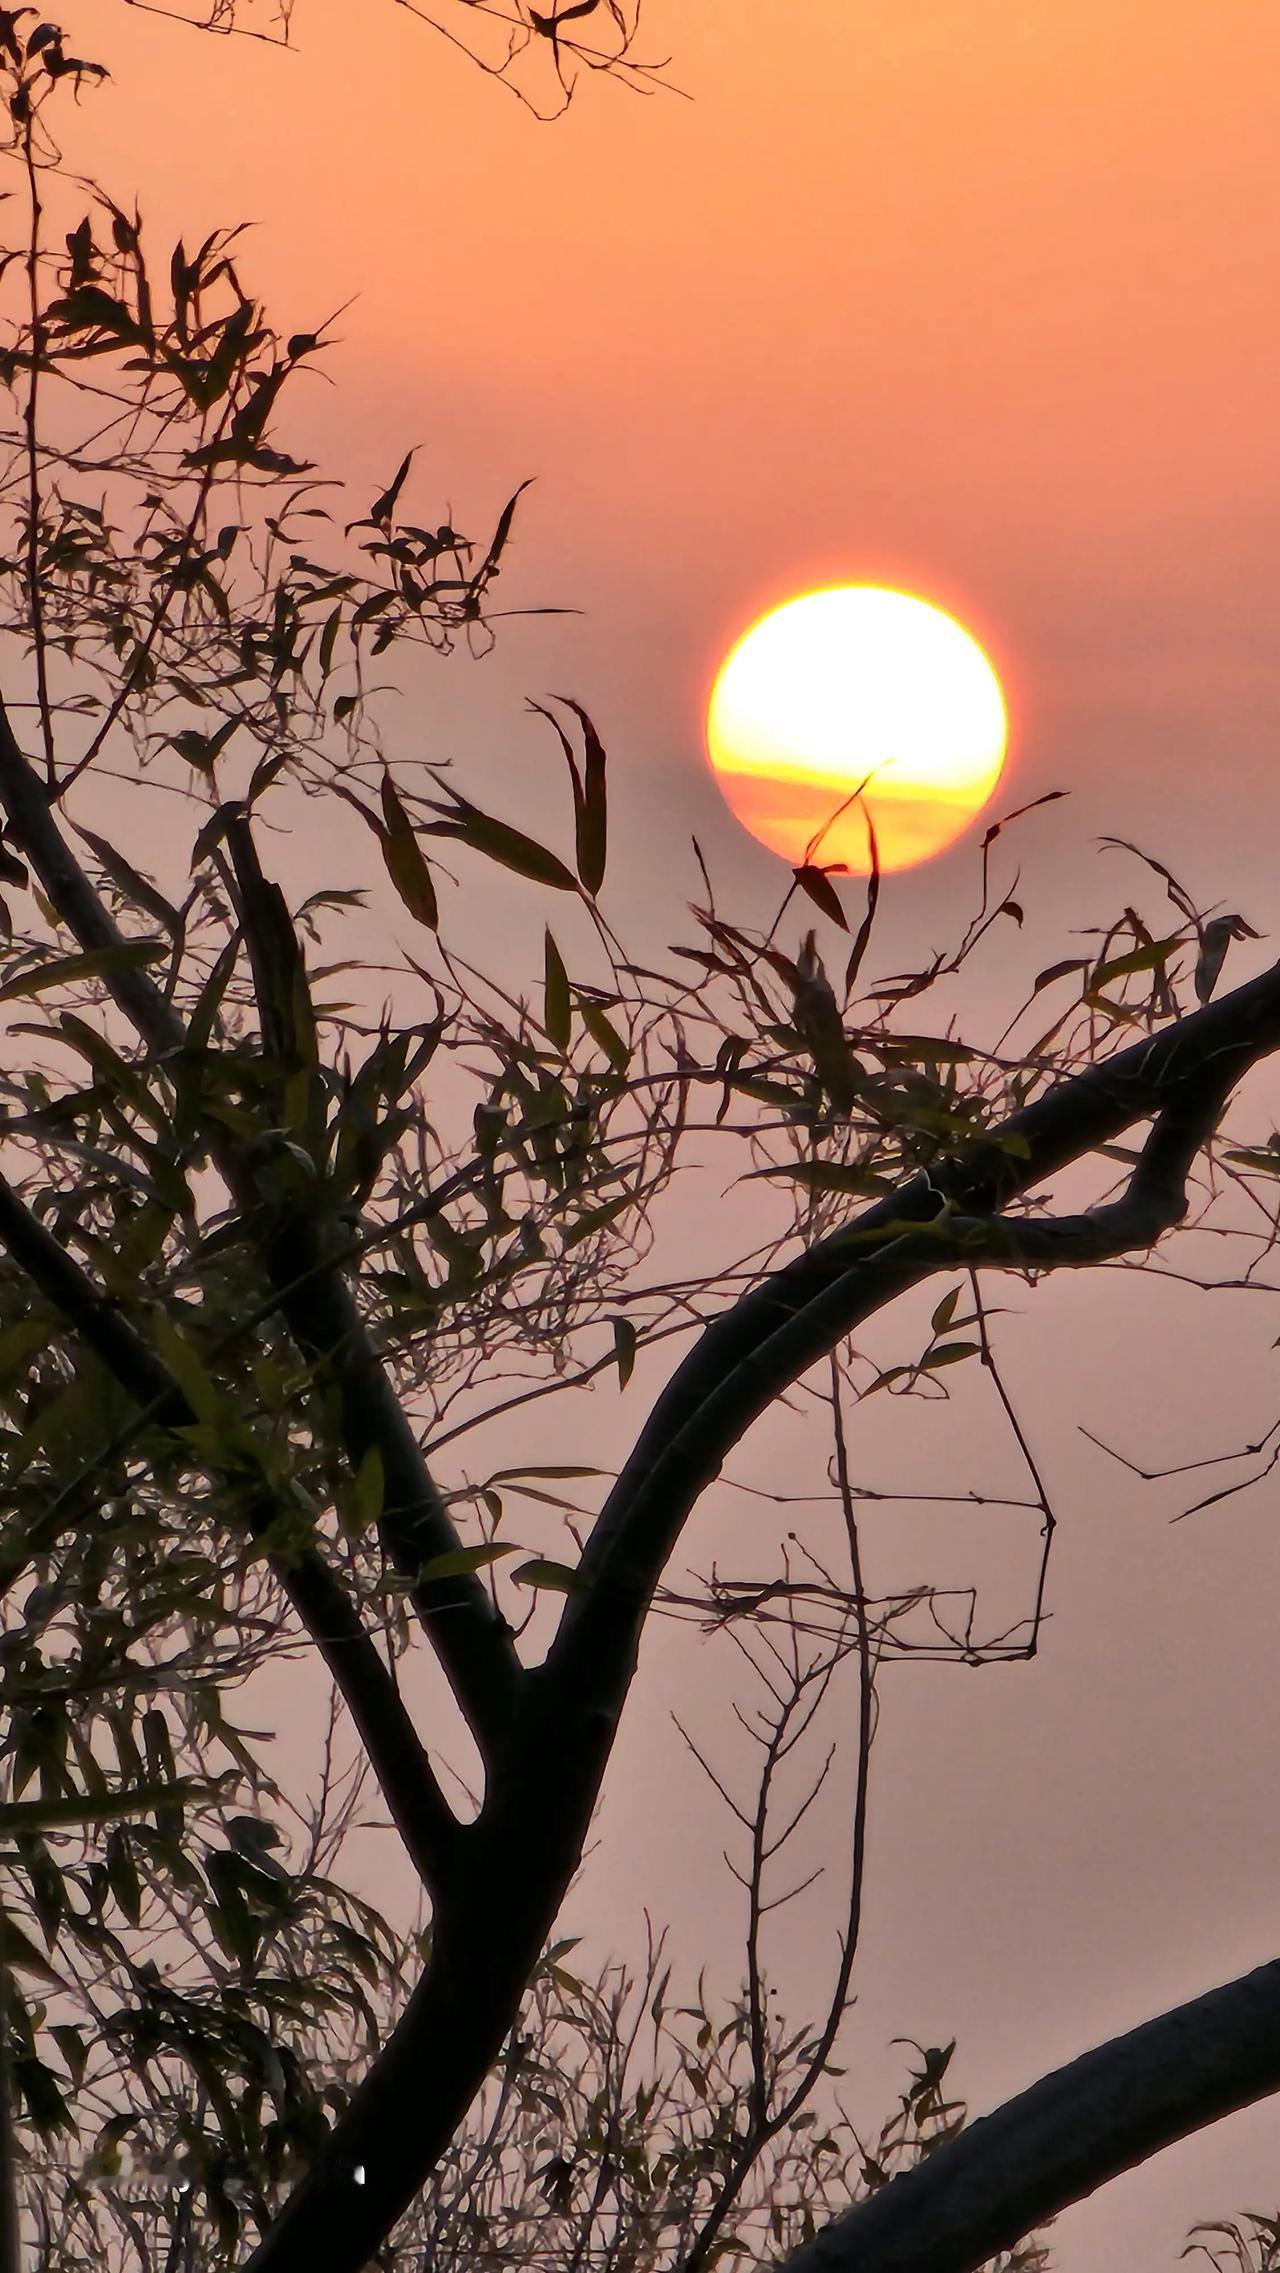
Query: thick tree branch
[1065, 2137]
[1181, 1076]
[521, 1853]
[407, 1781]
[472, 1641]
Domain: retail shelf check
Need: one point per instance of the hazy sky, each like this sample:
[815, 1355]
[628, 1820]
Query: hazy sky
[980, 301]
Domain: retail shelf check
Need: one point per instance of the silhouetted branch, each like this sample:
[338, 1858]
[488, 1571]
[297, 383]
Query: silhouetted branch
[473, 1643]
[416, 1803]
[744, 1360]
[523, 1850]
[1066, 2136]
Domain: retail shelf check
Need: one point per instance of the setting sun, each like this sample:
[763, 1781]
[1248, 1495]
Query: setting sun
[856, 701]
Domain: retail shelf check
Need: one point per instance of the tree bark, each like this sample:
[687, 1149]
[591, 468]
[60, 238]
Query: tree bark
[1071, 2132]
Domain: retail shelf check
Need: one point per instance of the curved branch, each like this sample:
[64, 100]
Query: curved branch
[521, 1852]
[1065, 2137]
[417, 1805]
[746, 1358]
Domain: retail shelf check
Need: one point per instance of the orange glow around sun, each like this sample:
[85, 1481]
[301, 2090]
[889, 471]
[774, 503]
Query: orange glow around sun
[861, 699]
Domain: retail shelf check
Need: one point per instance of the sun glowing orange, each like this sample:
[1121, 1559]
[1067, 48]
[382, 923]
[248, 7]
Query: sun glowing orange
[851, 703]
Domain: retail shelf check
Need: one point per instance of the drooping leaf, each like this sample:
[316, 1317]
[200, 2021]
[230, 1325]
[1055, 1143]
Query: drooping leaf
[556, 1578]
[405, 860]
[94, 963]
[458, 1560]
[132, 884]
[603, 1033]
[590, 803]
[820, 889]
[1055, 971]
[556, 1013]
[1150, 958]
[509, 846]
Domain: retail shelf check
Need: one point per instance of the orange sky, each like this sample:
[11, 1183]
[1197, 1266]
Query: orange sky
[980, 303]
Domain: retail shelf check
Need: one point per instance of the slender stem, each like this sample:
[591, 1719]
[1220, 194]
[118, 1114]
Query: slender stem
[30, 420]
[10, 2244]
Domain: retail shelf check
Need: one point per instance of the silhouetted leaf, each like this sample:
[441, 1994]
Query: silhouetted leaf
[1149, 958]
[511, 848]
[458, 1560]
[556, 1015]
[590, 805]
[95, 963]
[603, 1033]
[948, 1353]
[557, 1578]
[405, 860]
[822, 892]
[1059, 971]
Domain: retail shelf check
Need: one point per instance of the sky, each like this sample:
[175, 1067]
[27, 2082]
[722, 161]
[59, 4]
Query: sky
[978, 302]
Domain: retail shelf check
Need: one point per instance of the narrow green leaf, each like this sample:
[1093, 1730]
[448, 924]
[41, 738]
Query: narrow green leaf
[557, 1473]
[624, 1349]
[369, 1487]
[945, 1311]
[822, 892]
[95, 963]
[591, 808]
[461, 1559]
[405, 860]
[1152, 958]
[134, 886]
[556, 1013]
[198, 1387]
[556, 1578]
[948, 1353]
[828, 1176]
[1059, 971]
[604, 1034]
[511, 848]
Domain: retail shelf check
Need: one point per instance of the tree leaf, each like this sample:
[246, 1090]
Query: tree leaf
[829, 1176]
[948, 1353]
[510, 847]
[1150, 958]
[822, 892]
[95, 963]
[1059, 971]
[603, 1033]
[556, 1013]
[405, 861]
[590, 803]
[30, 1815]
[556, 1578]
[459, 1560]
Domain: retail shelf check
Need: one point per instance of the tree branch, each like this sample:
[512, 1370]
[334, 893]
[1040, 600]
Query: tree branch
[405, 1776]
[322, 1316]
[1065, 2137]
[523, 1849]
[744, 1360]
[473, 1643]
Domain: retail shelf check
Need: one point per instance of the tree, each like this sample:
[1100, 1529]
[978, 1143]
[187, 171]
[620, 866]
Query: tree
[269, 1253]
